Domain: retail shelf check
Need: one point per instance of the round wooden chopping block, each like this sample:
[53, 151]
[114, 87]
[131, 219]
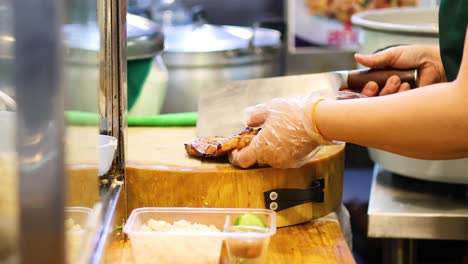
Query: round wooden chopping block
[161, 174]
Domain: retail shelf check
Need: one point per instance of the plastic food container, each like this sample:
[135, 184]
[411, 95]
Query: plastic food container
[198, 235]
[107, 147]
[77, 224]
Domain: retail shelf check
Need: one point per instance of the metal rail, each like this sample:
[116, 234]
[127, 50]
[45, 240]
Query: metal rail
[112, 108]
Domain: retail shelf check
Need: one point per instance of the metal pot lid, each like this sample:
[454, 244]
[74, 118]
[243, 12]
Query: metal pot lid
[144, 39]
[399, 20]
[211, 38]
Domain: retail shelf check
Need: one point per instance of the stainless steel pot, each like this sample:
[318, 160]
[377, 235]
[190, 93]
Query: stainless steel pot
[396, 26]
[199, 56]
[383, 28]
[145, 42]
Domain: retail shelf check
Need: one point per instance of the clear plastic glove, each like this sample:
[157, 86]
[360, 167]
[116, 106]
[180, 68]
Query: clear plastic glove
[287, 138]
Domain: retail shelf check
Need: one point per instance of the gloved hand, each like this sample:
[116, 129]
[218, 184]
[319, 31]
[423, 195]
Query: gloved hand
[288, 138]
[426, 59]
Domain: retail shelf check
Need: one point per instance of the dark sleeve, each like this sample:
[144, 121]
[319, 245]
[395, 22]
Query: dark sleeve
[453, 21]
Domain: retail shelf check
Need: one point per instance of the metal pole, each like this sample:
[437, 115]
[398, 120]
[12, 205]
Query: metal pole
[112, 16]
[40, 130]
[113, 79]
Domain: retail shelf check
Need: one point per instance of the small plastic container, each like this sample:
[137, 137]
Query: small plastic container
[78, 221]
[196, 235]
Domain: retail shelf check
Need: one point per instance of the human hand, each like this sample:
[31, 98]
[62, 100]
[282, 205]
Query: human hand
[426, 59]
[287, 139]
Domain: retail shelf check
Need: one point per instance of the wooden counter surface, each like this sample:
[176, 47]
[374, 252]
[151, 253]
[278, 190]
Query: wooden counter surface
[313, 242]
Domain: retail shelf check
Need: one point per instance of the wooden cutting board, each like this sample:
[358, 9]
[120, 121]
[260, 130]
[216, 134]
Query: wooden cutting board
[161, 174]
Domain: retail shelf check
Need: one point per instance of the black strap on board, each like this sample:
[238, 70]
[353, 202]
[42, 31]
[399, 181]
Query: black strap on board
[280, 199]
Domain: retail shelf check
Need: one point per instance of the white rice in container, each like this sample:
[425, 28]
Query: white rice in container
[177, 242]
[74, 238]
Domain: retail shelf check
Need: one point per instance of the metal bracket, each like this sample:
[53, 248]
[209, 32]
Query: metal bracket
[280, 199]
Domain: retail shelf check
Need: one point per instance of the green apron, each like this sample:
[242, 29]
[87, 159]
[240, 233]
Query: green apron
[137, 73]
[453, 21]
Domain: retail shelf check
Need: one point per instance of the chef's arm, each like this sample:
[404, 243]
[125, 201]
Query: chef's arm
[429, 123]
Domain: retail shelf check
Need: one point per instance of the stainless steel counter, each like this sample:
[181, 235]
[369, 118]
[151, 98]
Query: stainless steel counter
[405, 208]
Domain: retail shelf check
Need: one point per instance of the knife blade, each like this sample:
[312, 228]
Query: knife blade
[220, 109]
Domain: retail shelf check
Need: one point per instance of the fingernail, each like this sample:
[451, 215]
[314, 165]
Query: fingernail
[395, 80]
[405, 87]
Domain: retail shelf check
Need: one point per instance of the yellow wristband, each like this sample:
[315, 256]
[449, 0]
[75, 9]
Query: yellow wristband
[313, 116]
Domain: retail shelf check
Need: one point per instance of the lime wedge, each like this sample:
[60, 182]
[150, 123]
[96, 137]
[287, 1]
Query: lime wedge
[249, 220]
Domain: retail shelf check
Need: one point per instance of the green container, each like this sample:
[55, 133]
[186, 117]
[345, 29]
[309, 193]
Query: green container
[147, 74]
